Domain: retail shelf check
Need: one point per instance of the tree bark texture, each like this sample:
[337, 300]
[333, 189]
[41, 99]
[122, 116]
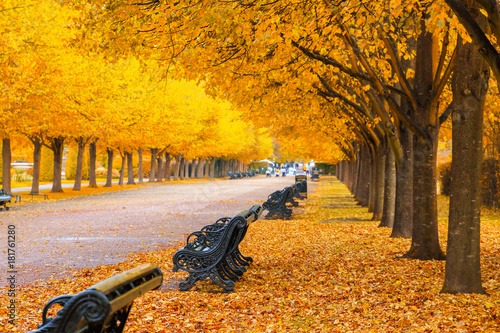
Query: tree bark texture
[403, 215]
[363, 187]
[177, 167]
[389, 190]
[140, 173]
[159, 160]
[130, 169]
[122, 170]
[380, 180]
[79, 165]
[37, 157]
[469, 86]
[373, 181]
[109, 178]
[152, 171]
[425, 238]
[168, 166]
[7, 160]
[181, 168]
[57, 147]
[92, 165]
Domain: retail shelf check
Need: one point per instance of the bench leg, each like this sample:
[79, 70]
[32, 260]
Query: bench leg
[227, 285]
[246, 261]
[191, 280]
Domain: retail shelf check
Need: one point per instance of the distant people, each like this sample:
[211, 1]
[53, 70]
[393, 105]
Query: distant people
[277, 172]
[283, 171]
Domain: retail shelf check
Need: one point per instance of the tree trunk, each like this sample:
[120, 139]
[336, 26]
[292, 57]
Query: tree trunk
[199, 173]
[109, 179]
[186, 169]
[469, 85]
[177, 167]
[425, 237]
[181, 168]
[37, 157]
[7, 160]
[57, 148]
[357, 174]
[389, 190]
[152, 171]
[212, 168]
[122, 170]
[378, 207]
[140, 174]
[92, 165]
[403, 215]
[79, 165]
[130, 169]
[159, 160]
[363, 185]
[168, 166]
[373, 181]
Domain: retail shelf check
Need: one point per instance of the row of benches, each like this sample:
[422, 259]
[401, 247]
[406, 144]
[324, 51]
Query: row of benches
[239, 175]
[213, 252]
[276, 204]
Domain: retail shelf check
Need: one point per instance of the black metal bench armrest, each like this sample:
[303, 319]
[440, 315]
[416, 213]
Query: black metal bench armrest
[105, 305]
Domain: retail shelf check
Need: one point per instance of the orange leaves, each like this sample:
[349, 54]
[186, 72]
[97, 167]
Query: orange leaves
[327, 270]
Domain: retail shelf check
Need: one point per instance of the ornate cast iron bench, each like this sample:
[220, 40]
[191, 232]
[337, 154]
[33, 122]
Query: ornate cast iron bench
[213, 252]
[303, 180]
[5, 198]
[295, 194]
[103, 307]
[276, 204]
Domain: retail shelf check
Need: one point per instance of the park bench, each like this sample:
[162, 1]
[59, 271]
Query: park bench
[303, 180]
[298, 190]
[103, 307]
[5, 198]
[315, 175]
[276, 204]
[295, 194]
[213, 252]
[45, 196]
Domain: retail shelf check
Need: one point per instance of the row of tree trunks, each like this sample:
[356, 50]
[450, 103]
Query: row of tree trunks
[211, 168]
[415, 207]
[372, 178]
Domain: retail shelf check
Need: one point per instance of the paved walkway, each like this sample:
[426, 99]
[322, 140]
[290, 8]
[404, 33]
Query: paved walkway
[89, 231]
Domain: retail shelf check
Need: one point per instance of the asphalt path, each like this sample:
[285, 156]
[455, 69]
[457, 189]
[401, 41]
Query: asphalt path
[89, 231]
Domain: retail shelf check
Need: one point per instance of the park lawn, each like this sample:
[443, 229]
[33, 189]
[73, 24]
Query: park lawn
[329, 269]
[64, 181]
[69, 193]
[85, 190]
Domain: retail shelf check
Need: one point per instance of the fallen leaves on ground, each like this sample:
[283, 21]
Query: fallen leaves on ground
[329, 269]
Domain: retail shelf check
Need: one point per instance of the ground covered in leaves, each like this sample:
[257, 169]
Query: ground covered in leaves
[329, 269]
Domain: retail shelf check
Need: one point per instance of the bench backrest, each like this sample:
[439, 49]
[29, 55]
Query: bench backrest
[103, 307]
